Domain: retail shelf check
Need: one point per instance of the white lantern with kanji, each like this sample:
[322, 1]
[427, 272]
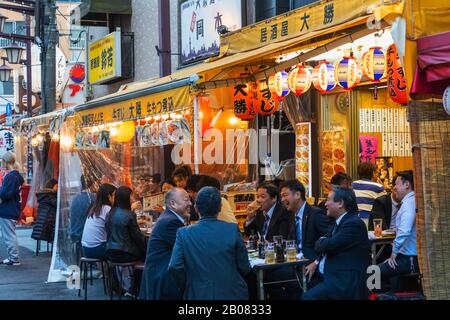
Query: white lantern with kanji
[347, 73]
[299, 79]
[374, 64]
[6, 141]
[323, 77]
[278, 84]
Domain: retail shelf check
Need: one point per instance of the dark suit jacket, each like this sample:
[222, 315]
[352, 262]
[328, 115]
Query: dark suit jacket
[279, 223]
[382, 208]
[210, 260]
[315, 224]
[157, 283]
[347, 259]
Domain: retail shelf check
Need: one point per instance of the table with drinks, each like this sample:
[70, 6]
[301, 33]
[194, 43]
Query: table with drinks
[280, 253]
[379, 239]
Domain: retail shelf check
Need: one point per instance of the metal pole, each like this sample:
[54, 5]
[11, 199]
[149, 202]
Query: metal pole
[29, 101]
[49, 68]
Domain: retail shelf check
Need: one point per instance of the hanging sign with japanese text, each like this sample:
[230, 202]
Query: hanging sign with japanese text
[105, 59]
[6, 141]
[162, 102]
[200, 21]
[368, 148]
[295, 23]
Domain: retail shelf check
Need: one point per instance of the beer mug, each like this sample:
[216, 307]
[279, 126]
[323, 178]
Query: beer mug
[291, 250]
[270, 253]
[377, 227]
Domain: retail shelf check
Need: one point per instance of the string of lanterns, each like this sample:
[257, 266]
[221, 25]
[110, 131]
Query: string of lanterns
[264, 97]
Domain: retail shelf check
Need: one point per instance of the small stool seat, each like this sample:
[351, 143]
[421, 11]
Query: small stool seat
[117, 267]
[84, 264]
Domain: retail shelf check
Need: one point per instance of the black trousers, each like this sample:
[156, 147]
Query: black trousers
[405, 265]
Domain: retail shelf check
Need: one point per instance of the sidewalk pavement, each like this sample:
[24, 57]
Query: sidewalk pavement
[29, 280]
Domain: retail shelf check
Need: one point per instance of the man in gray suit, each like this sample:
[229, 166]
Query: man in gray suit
[209, 260]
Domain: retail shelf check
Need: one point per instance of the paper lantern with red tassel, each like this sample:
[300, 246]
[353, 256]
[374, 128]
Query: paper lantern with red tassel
[299, 79]
[264, 102]
[395, 76]
[374, 64]
[243, 102]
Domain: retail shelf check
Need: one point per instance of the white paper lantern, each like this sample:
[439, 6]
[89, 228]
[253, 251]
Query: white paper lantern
[446, 100]
[323, 77]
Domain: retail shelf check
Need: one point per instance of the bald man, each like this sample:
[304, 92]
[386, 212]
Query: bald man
[157, 283]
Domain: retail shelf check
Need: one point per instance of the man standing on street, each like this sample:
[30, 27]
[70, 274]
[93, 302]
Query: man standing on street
[10, 208]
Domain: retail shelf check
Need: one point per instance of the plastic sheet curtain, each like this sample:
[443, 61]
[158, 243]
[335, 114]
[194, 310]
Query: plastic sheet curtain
[122, 163]
[298, 109]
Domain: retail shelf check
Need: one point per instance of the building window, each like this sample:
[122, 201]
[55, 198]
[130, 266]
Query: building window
[7, 88]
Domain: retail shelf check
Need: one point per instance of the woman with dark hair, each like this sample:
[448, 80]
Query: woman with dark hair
[94, 236]
[125, 243]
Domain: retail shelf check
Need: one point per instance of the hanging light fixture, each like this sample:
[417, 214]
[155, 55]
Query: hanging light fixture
[347, 72]
[299, 79]
[14, 53]
[5, 72]
[323, 77]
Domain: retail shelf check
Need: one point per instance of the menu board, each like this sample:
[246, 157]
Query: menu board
[92, 140]
[302, 155]
[152, 200]
[333, 156]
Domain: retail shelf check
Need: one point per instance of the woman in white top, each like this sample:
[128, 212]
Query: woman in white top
[94, 232]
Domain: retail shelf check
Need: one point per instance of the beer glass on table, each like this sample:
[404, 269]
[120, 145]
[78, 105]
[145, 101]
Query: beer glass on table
[291, 250]
[270, 253]
[377, 227]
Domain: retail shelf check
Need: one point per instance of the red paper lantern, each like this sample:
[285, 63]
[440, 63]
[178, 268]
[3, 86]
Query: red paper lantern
[264, 102]
[243, 102]
[299, 79]
[205, 114]
[395, 76]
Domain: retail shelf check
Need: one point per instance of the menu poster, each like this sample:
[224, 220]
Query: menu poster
[368, 148]
[333, 156]
[151, 201]
[302, 155]
[385, 171]
[361, 121]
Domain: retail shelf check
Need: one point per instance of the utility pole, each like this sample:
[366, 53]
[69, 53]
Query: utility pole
[48, 66]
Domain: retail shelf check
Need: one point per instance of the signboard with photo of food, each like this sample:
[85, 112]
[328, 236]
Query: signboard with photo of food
[333, 156]
[302, 155]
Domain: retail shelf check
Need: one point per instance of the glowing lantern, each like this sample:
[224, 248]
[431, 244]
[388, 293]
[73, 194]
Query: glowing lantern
[278, 85]
[395, 76]
[374, 64]
[323, 77]
[264, 102]
[243, 102]
[125, 131]
[299, 79]
[446, 100]
[205, 114]
[347, 73]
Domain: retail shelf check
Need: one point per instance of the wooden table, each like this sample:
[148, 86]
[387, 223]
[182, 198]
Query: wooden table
[381, 243]
[259, 269]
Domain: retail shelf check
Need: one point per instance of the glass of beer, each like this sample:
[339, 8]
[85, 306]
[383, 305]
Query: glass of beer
[291, 250]
[270, 253]
[377, 227]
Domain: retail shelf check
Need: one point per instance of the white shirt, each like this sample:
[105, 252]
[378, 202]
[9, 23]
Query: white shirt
[394, 214]
[322, 262]
[405, 240]
[300, 221]
[94, 232]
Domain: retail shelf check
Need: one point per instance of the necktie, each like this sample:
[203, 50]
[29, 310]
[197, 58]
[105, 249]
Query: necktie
[265, 227]
[334, 229]
[298, 225]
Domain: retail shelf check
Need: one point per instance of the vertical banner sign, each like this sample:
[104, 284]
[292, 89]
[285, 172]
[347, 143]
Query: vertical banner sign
[368, 148]
[303, 155]
[200, 22]
[105, 59]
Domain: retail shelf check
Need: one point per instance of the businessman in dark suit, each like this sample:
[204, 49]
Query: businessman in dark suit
[209, 260]
[156, 283]
[272, 219]
[307, 223]
[344, 252]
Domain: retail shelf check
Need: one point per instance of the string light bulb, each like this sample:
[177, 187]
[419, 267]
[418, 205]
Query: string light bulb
[66, 141]
[55, 136]
[165, 116]
[39, 138]
[113, 132]
[34, 142]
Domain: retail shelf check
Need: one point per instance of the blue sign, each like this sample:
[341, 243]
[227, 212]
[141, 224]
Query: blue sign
[9, 108]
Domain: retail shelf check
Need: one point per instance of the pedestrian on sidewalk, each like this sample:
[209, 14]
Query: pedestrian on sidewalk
[10, 208]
